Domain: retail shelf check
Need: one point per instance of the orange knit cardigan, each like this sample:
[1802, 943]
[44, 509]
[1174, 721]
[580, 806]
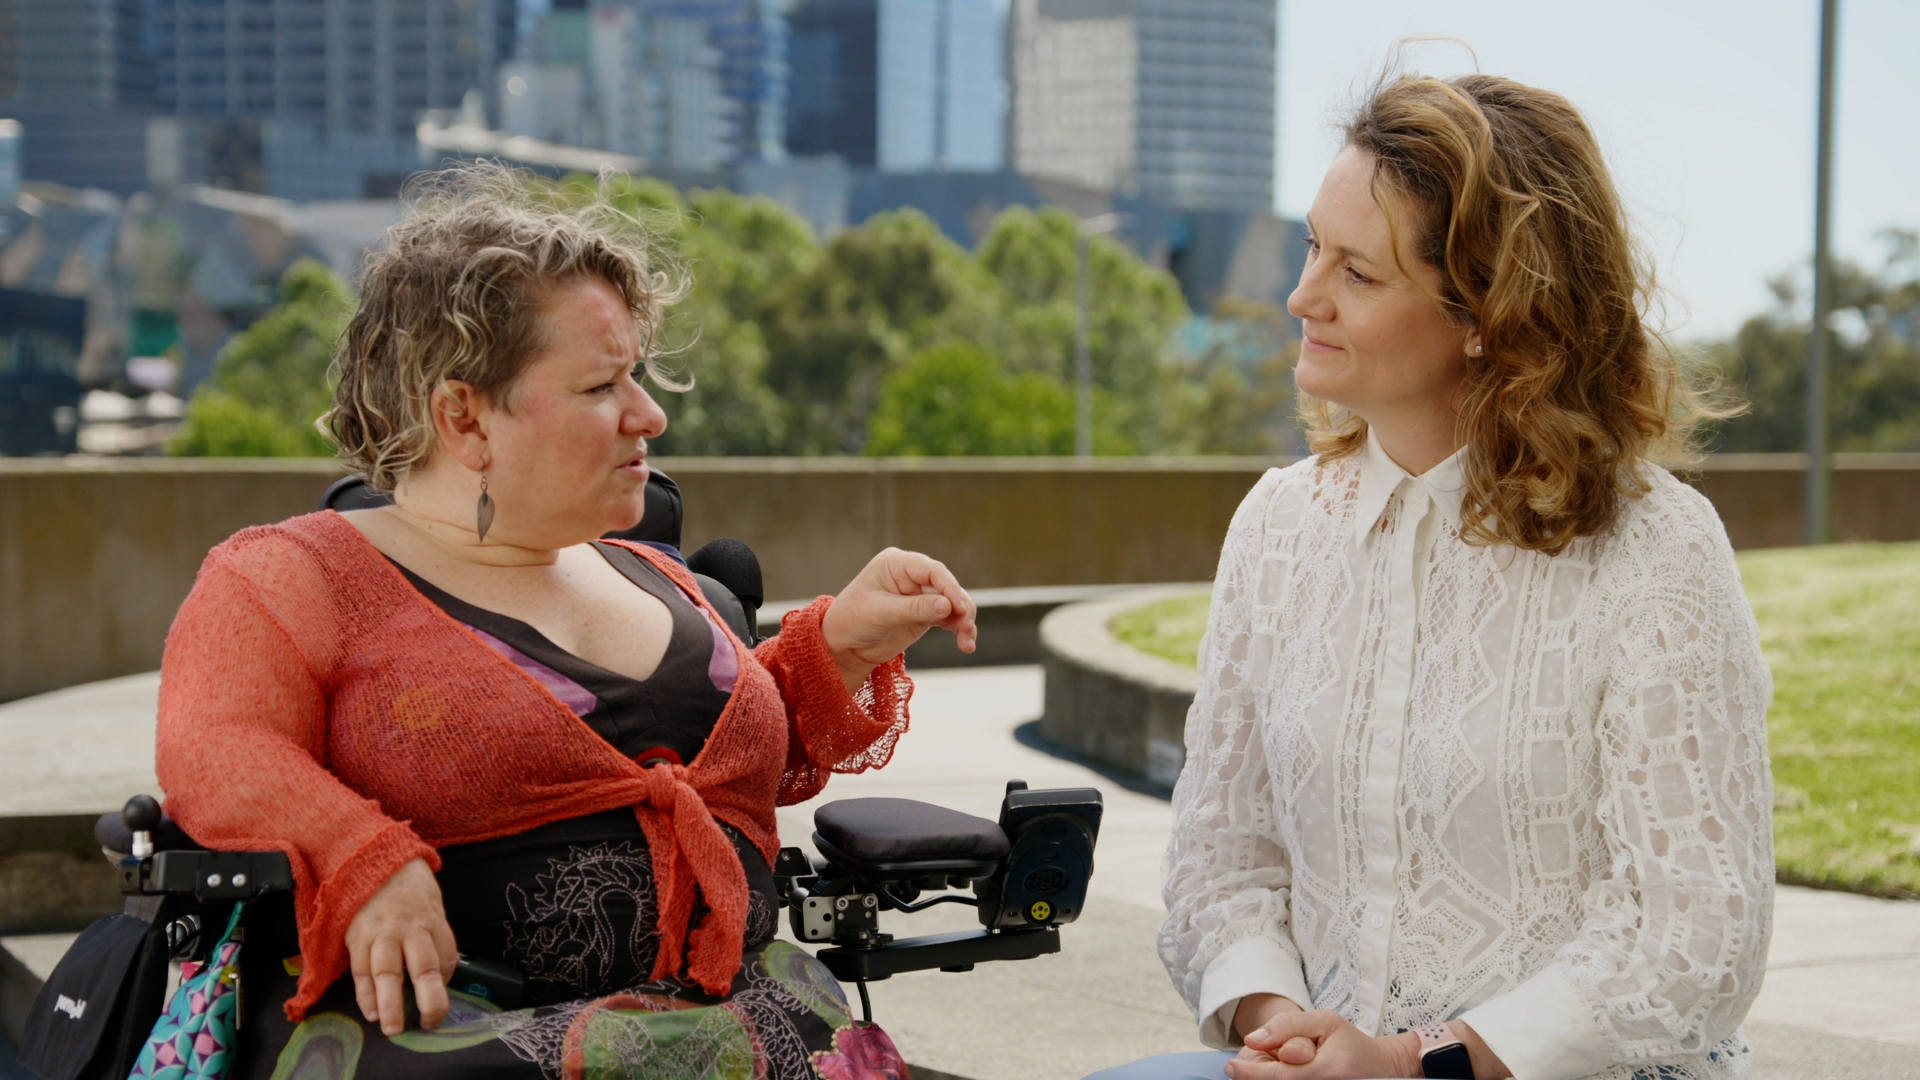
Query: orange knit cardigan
[312, 701]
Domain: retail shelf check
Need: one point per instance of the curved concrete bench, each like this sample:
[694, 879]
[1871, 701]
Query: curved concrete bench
[1108, 701]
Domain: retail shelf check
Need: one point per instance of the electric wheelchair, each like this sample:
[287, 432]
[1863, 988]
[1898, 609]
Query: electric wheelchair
[1026, 874]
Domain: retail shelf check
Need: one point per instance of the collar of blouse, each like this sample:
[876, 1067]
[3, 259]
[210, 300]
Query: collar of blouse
[1445, 484]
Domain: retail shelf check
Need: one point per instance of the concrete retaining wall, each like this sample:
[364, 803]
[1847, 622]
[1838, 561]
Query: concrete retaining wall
[96, 554]
[1109, 702]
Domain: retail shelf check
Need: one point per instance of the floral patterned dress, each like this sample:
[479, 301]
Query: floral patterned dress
[572, 906]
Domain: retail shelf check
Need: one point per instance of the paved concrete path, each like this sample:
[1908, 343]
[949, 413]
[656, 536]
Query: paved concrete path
[1842, 998]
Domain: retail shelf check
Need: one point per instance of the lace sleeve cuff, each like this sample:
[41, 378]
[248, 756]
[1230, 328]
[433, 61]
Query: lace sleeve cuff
[1542, 1030]
[1255, 965]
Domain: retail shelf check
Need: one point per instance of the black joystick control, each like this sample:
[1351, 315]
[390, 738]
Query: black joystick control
[142, 817]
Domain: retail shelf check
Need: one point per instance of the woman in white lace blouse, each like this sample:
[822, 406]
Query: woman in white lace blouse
[1480, 740]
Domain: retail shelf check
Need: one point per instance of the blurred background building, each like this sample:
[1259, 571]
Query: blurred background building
[162, 161]
[1169, 99]
[902, 86]
[302, 99]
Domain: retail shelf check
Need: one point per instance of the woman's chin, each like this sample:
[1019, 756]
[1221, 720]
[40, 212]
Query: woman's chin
[628, 516]
[1318, 385]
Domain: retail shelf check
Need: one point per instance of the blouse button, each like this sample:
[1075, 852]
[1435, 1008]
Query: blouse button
[1388, 738]
[1399, 646]
[1376, 920]
[1379, 837]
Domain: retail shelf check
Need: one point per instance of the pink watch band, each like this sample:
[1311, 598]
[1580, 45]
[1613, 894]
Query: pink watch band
[1442, 1055]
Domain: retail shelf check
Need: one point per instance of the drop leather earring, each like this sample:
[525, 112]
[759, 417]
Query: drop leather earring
[483, 512]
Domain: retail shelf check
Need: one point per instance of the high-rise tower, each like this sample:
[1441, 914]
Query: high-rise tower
[1168, 99]
[898, 85]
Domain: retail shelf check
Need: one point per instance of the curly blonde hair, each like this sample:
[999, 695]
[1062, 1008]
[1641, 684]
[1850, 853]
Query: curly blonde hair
[457, 293]
[1514, 206]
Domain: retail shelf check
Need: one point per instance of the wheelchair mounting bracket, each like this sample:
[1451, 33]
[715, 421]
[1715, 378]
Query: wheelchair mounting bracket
[949, 952]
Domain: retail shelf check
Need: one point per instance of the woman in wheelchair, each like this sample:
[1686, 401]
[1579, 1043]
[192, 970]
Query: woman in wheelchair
[476, 729]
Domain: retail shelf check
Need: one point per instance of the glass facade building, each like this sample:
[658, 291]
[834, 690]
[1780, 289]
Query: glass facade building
[898, 85]
[751, 39]
[1171, 100]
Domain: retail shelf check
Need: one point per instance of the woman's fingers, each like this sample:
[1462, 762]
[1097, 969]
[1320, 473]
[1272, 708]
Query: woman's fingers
[1288, 1038]
[930, 577]
[401, 934]
[429, 984]
[363, 995]
[1298, 1050]
[890, 605]
[388, 963]
[1253, 1065]
[1285, 1027]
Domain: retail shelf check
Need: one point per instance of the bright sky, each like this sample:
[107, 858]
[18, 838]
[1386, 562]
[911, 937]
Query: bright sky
[1705, 108]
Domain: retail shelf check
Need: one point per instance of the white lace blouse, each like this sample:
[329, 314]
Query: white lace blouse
[1427, 779]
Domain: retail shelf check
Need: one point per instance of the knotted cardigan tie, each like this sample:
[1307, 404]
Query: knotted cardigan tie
[699, 855]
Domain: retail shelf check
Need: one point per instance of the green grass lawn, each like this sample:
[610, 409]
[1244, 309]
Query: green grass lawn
[1840, 626]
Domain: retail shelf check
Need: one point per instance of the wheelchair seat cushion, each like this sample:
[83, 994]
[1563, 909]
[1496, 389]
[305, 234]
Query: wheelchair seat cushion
[903, 830]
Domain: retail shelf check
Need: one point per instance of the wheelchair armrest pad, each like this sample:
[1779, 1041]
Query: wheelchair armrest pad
[902, 830]
[113, 835]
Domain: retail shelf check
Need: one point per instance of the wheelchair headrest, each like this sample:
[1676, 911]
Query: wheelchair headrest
[659, 525]
[877, 831]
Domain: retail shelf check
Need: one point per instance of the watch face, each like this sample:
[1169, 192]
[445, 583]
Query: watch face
[1447, 1063]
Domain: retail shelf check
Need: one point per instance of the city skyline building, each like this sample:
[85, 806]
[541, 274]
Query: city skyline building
[751, 39]
[899, 85]
[1168, 99]
[633, 79]
[301, 98]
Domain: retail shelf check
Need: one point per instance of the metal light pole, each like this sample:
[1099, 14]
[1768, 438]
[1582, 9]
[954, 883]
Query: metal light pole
[1083, 331]
[1819, 466]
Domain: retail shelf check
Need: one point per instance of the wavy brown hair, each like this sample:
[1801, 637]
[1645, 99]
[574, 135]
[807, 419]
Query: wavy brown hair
[457, 293]
[1512, 203]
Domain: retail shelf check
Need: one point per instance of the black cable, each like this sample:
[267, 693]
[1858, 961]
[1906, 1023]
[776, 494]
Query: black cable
[943, 898]
[866, 1007]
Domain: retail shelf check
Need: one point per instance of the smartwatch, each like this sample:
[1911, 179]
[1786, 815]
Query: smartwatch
[1442, 1056]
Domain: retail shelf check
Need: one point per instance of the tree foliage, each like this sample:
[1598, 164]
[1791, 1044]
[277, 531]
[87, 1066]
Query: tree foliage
[269, 384]
[1873, 347]
[1134, 308]
[877, 294]
[889, 338]
[956, 399]
[1232, 392]
[733, 251]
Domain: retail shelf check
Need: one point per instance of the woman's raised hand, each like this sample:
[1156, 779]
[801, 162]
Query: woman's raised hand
[401, 933]
[888, 606]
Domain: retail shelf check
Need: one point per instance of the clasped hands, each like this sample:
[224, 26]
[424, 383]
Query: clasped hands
[1283, 1042]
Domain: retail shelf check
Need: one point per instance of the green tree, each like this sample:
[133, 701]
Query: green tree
[1874, 353]
[877, 294]
[954, 399]
[1134, 308]
[734, 250]
[269, 384]
[1233, 393]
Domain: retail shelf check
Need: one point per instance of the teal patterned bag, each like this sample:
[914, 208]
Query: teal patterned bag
[194, 1040]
